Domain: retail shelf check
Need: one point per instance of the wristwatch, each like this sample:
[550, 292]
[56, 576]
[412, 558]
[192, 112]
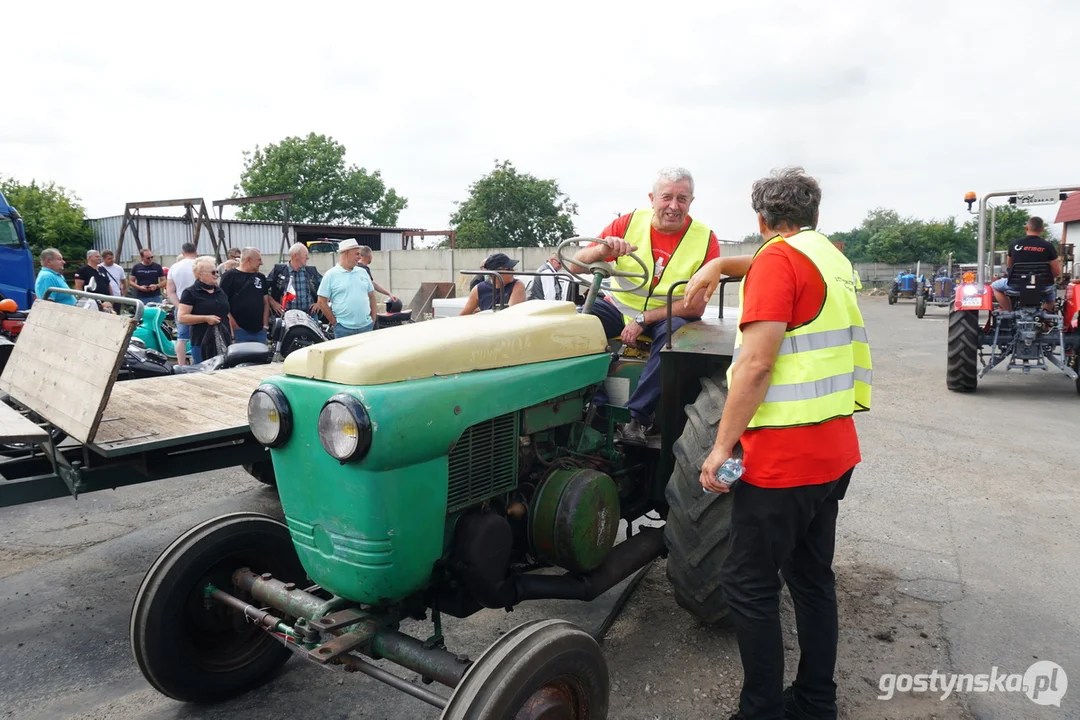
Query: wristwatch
[640, 319]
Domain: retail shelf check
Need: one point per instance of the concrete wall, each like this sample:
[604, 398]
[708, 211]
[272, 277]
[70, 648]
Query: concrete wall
[402, 271]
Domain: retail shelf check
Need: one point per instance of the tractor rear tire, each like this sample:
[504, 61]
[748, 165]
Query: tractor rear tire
[920, 306]
[698, 523]
[962, 373]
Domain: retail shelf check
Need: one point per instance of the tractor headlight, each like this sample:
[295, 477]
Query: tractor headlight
[345, 428]
[970, 290]
[269, 416]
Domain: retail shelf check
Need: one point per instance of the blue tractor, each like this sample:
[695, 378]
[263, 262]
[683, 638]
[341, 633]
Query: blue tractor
[906, 285]
[941, 292]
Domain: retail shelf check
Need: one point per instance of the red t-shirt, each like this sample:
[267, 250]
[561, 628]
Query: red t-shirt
[784, 285]
[663, 244]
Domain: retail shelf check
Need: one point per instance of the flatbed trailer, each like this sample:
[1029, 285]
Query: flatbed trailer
[64, 369]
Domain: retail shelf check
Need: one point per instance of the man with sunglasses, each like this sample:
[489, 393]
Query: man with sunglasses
[147, 277]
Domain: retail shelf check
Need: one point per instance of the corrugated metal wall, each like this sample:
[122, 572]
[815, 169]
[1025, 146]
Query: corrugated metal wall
[168, 234]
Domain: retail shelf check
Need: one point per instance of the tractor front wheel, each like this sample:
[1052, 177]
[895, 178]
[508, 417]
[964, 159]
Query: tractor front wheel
[540, 669]
[698, 523]
[263, 471]
[920, 306]
[892, 296]
[190, 647]
[962, 373]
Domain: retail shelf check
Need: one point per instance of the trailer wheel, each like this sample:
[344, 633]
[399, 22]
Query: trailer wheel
[540, 669]
[194, 651]
[962, 375]
[698, 523]
[920, 306]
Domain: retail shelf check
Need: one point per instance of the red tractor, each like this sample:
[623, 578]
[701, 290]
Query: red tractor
[1030, 336]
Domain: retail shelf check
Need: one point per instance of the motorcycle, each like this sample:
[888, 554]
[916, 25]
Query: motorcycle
[157, 331]
[143, 362]
[294, 330]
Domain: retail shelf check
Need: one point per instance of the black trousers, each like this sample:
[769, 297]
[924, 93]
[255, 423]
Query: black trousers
[790, 531]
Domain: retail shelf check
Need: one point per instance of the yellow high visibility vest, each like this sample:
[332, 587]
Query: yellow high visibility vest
[823, 370]
[688, 256]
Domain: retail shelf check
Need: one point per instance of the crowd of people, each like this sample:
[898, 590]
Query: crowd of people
[219, 304]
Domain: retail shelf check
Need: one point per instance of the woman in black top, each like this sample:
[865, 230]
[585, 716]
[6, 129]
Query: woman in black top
[204, 306]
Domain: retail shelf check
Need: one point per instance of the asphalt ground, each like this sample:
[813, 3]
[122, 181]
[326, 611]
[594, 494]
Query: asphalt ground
[956, 552]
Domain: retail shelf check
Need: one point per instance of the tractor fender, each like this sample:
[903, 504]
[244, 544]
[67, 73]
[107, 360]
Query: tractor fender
[711, 336]
[1072, 306]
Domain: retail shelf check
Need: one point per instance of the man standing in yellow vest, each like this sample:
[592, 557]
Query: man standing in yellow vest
[801, 370]
[673, 247]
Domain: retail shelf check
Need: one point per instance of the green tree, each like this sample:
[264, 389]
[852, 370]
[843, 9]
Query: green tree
[753, 238]
[1009, 223]
[511, 209]
[53, 217]
[325, 189]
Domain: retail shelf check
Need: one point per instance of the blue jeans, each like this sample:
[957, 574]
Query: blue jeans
[196, 354]
[242, 335]
[149, 299]
[646, 395]
[341, 331]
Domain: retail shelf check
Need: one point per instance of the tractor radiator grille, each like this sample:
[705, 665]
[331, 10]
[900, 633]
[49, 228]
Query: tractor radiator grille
[484, 462]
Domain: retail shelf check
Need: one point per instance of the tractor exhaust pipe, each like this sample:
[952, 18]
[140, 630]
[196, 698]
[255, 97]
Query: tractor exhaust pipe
[623, 560]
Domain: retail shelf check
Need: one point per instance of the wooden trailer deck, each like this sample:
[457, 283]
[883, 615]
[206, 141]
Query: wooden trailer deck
[64, 369]
[143, 415]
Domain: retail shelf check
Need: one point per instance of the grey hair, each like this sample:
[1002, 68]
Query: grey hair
[247, 253]
[201, 262]
[365, 251]
[91, 253]
[297, 248]
[49, 254]
[673, 175]
[787, 197]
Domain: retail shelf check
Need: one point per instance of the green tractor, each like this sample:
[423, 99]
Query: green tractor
[430, 469]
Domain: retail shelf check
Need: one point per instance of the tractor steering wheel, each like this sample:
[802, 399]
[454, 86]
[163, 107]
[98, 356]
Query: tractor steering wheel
[605, 269]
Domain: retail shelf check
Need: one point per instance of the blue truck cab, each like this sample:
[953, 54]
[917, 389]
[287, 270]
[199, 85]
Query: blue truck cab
[16, 262]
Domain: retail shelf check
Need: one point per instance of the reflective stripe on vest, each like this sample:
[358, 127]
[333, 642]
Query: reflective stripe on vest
[823, 369]
[818, 341]
[687, 257]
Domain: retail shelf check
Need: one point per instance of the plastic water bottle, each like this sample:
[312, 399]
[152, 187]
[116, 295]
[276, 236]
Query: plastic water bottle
[728, 473]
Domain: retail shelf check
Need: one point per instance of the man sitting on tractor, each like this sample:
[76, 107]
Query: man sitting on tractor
[1029, 249]
[674, 245]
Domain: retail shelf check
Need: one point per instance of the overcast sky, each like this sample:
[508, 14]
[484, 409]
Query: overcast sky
[897, 104]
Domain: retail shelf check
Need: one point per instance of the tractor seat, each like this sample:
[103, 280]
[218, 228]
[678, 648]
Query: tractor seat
[530, 332]
[1034, 276]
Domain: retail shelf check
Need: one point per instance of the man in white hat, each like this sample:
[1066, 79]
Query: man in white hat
[346, 294]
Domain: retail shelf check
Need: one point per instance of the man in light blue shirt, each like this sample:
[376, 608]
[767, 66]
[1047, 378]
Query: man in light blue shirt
[347, 295]
[52, 262]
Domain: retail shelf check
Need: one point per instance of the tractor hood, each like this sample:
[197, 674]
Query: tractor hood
[531, 332]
